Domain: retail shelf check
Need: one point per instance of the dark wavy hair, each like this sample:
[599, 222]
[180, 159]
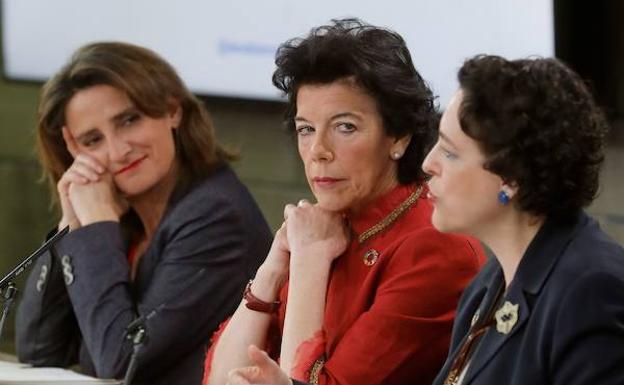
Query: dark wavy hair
[540, 128]
[380, 63]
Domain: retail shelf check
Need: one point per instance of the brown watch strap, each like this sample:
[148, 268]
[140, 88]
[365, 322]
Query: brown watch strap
[256, 304]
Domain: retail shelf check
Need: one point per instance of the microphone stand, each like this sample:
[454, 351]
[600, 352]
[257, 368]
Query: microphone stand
[136, 331]
[9, 296]
[7, 287]
[138, 336]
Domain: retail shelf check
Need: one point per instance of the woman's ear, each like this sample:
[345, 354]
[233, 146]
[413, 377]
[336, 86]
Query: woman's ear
[70, 142]
[510, 188]
[399, 146]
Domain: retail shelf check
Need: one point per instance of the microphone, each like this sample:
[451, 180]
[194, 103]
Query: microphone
[7, 287]
[137, 332]
[19, 269]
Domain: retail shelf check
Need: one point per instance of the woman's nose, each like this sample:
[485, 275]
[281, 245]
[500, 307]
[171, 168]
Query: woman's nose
[428, 165]
[321, 149]
[118, 149]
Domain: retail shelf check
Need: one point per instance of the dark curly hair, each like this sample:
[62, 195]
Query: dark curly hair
[380, 63]
[539, 127]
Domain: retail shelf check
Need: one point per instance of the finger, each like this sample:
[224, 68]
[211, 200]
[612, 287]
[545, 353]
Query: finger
[288, 209]
[64, 199]
[70, 142]
[239, 376]
[266, 368]
[91, 162]
[281, 230]
[261, 359]
[69, 177]
[85, 171]
[303, 202]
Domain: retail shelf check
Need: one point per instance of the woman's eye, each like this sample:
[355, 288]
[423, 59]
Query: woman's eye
[130, 119]
[304, 130]
[90, 141]
[448, 154]
[346, 127]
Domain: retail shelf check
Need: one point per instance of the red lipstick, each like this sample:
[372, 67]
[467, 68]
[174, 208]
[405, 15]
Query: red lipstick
[325, 181]
[130, 166]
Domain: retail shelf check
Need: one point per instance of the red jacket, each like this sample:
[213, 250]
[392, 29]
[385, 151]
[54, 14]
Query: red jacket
[390, 322]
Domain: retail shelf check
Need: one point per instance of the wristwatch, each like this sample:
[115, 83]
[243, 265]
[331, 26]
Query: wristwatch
[256, 304]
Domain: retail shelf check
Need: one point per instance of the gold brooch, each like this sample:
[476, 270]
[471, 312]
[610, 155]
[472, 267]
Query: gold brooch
[506, 317]
[370, 257]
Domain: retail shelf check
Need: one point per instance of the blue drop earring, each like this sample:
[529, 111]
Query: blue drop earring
[503, 197]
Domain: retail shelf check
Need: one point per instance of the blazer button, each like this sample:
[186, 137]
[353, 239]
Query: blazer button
[68, 269]
[43, 275]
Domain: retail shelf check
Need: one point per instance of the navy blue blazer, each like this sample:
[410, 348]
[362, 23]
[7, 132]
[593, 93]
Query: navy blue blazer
[78, 302]
[569, 288]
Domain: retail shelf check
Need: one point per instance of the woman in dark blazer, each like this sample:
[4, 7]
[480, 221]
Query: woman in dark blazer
[518, 157]
[161, 228]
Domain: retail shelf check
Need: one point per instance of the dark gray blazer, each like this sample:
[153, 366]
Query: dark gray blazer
[77, 303]
[569, 288]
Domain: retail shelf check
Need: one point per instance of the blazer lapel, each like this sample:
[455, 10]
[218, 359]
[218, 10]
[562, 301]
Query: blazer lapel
[531, 275]
[493, 339]
[491, 286]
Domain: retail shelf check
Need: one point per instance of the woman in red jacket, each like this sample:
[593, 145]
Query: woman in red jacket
[371, 285]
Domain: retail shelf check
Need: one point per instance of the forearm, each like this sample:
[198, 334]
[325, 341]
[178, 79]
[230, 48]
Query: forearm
[45, 328]
[246, 327]
[305, 309]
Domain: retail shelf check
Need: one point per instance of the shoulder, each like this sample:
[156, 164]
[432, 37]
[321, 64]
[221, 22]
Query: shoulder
[591, 309]
[594, 249]
[591, 255]
[217, 196]
[221, 187]
[583, 292]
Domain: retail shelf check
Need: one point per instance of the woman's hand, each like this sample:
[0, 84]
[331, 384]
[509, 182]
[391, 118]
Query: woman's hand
[279, 255]
[96, 201]
[83, 171]
[264, 371]
[313, 232]
[86, 190]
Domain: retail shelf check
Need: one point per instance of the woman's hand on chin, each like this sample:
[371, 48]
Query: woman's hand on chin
[264, 371]
[84, 170]
[314, 233]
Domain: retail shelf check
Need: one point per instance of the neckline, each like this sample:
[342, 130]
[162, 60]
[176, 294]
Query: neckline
[386, 208]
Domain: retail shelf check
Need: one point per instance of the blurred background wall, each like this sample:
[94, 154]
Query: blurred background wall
[588, 35]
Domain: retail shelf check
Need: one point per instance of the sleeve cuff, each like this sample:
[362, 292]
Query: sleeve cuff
[310, 359]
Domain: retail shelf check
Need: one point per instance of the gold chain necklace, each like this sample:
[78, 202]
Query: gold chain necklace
[392, 217]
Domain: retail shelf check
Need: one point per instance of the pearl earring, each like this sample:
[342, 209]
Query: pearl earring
[396, 155]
